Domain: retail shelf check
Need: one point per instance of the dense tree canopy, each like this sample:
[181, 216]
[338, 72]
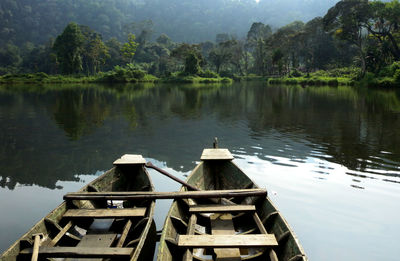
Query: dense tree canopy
[353, 33]
[183, 20]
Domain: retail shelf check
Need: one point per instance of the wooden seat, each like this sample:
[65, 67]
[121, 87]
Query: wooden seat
[229, 241]
[221, 208]
[224, 240]
[95, 240]
[80, 252]
[105, 213]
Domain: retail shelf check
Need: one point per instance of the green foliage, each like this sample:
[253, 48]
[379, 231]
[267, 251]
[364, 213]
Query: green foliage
[397, 77]
[69, 47]
[292, 50]
[129, 48]
[208, 74]
[314, 81]
[295, 73]
[390, 70]
[192, 64]
[181, 77]
[345, 72]
[129, 73]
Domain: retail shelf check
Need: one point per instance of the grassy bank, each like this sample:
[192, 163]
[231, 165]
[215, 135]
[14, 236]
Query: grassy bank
[313, 81]
[37, 78]
[334, 77]
[194, 79]
[118, 75]
[388, 77]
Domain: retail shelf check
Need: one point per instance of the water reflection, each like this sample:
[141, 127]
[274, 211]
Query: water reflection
[50, 134]
[329, 157]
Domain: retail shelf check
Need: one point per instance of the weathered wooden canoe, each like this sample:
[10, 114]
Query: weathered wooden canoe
[246, 228]
[96, 229]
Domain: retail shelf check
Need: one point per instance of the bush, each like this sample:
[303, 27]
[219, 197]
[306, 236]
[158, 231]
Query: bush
[397, 77]
[208, 74]
[138, 74]
[387, 82]
[296, 73]
[227, 74]
[389, 70]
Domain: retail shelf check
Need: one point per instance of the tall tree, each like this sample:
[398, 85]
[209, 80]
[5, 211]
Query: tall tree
[347, 20]
[97, 53]
[384, 25]
[129, 48]
[184, 54]
[256, 43]
[68, 47]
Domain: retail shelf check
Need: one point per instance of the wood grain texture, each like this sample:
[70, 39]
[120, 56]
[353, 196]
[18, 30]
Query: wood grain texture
[141, 195]
[227, 241]
[105, 213]
[188, 256]
[83, 252]
[60, 234]
[216, 154]
[221, 208]
[223, 225]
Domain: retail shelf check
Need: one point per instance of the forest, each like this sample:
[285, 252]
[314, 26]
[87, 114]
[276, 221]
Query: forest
[128, 40]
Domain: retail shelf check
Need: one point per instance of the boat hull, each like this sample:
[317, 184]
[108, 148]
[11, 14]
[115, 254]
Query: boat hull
[224, 174]
[119, 178]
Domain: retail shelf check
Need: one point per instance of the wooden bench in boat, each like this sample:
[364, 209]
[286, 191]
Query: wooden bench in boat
[96, 240]
[224, 240]
[223, 225]
[80, 252]
[94, 246]
[229, 241]
[105, 213]
[221, 208]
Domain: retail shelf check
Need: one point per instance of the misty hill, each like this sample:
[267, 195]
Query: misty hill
[183, 20]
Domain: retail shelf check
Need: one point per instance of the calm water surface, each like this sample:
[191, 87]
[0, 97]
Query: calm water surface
[329, 157]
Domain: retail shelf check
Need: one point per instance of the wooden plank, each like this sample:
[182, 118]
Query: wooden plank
[229, 241]
[216, 154]
[80, 252]
[272, 254]
[141, 195]
[95, 240]
[188, 256]
[223, 225]
[60, 234]
[130, 159]
[105, 213]
[124, 234]
[221, 208]
[259, 223]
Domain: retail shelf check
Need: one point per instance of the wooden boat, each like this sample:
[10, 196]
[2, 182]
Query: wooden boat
[96, 229]
[246, 228]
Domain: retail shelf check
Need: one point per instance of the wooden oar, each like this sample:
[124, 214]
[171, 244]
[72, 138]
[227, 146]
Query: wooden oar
[151, 166]
[36, 244]
[150, 195]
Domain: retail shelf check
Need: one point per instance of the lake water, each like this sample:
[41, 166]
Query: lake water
[329, 157]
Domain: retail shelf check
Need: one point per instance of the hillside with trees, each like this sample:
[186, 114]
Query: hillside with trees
[36, 22]
[353, 40]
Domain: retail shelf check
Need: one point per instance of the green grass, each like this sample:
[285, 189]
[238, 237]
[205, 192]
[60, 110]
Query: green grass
[36, 78]
[42, 78]
[313, 81]
[177, 78]
[115, 76]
